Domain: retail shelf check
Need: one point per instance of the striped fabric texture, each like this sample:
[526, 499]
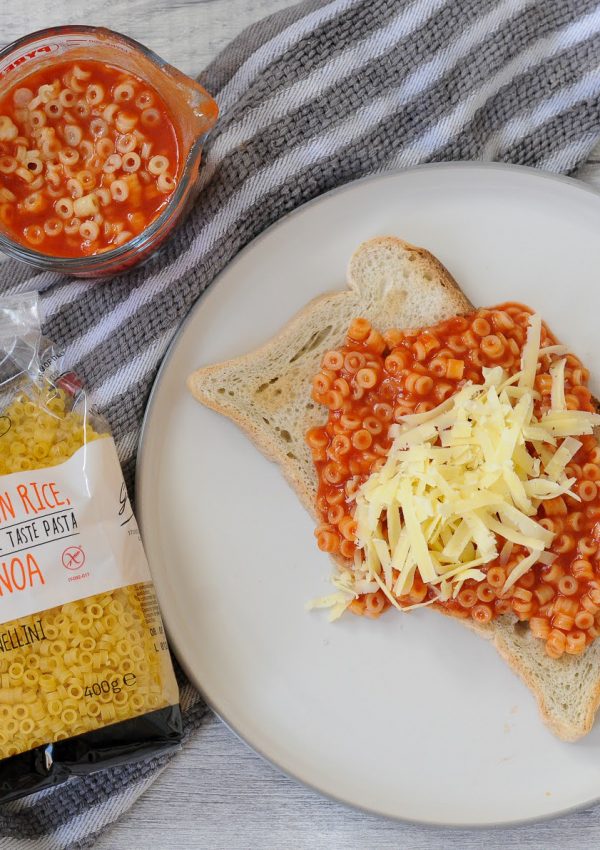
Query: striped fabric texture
[312, 97]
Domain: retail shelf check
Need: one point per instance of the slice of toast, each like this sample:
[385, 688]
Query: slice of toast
[267, 393]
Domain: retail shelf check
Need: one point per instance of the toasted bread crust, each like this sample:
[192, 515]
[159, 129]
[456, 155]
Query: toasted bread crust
[201, 382]
[375, 289]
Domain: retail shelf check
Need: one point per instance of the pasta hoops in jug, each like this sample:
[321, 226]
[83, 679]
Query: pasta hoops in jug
[85, 673]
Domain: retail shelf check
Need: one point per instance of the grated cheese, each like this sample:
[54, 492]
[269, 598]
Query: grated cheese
[561, 457]
[531, 353]
[557, 373]
[553, 349]
[460, 480]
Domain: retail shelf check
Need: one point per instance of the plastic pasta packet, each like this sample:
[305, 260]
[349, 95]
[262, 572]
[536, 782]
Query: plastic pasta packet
[85, 674]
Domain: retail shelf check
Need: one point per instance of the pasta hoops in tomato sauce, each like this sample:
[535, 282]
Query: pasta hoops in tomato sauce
[378, 380]
[89, 157]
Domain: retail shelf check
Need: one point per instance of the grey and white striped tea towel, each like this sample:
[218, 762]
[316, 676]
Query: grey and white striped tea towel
[310, 98]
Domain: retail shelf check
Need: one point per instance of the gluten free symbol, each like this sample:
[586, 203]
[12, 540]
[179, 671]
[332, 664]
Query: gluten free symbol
[73, 558]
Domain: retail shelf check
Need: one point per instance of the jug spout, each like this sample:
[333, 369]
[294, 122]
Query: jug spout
[193, 103]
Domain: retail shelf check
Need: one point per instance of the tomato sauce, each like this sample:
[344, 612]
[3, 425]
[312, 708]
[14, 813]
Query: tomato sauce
[375, 379]
[89, 158]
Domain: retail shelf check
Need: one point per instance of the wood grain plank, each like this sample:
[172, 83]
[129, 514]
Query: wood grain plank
[187, 33]
[590, 171]
[218, 795]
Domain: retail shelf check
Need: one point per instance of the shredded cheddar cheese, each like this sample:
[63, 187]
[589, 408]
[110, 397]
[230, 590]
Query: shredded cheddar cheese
[462, 477]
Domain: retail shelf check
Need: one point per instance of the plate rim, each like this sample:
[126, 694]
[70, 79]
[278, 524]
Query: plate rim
[453, 165]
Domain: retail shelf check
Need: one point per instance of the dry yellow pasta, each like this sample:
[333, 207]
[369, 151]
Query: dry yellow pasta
[82, 646]
[52, 688]
[87, 663]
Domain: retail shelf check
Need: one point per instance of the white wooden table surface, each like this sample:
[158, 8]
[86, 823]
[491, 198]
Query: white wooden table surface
[217, 794]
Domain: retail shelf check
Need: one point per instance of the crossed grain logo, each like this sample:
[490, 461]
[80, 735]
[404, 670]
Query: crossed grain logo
[73, 558]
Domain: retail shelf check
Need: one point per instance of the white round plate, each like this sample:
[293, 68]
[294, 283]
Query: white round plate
[409, 716]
